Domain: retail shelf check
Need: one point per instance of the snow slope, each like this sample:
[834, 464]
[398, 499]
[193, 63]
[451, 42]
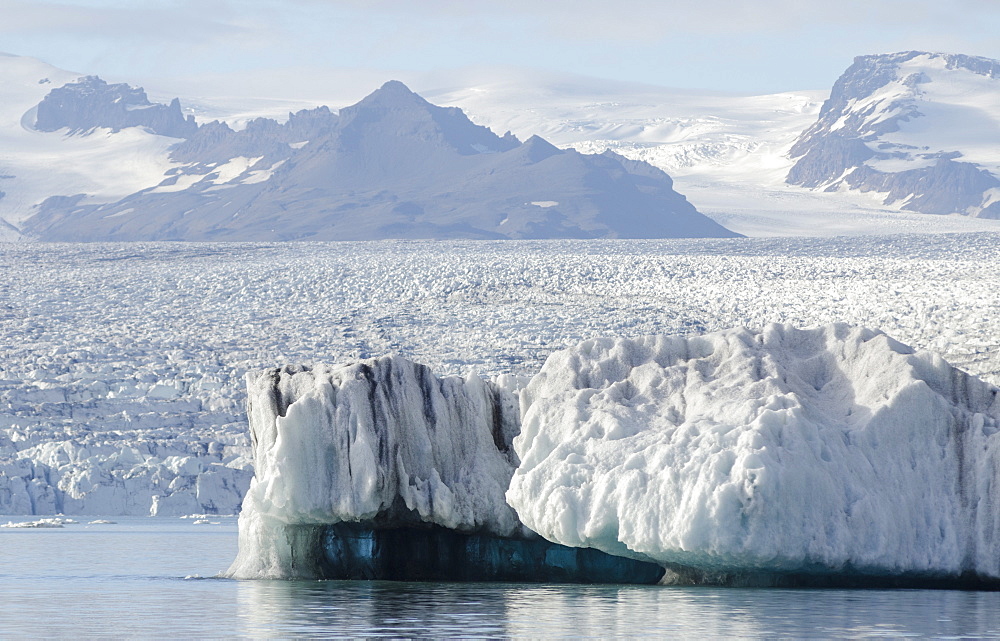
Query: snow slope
[920, 130]
[121, 365]
[35, 165]
[728, 153]
[778, 450]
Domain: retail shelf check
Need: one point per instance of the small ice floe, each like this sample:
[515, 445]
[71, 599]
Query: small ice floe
[202, 517]
[102, 522]
[41, 523]
[205, 522]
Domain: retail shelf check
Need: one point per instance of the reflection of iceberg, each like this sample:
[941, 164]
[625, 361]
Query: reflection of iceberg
[786, 456]
[381, 470]
[359, 609]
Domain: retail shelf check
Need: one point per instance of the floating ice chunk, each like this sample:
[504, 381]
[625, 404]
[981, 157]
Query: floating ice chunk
[830, 450]
[381, 441]
[41, 523]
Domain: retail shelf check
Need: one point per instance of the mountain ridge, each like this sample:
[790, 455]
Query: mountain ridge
[391, 166]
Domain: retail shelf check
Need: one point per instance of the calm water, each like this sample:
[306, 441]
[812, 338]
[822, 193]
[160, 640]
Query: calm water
[141, 578]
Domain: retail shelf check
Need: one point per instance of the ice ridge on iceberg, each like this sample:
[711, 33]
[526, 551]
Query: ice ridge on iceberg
[778, 457]
[380, 470]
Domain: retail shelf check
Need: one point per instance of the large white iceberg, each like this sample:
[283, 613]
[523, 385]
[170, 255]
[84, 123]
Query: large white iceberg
[776, 457]
[381, 470]
[829, 450]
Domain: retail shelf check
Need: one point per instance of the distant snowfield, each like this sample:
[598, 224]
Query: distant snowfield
[121, 365]
[35, 165]
[726, 153]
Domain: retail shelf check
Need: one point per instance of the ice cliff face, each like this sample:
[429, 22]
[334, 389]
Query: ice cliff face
[381, 442]
[391, 166]
[120, 447]
[90, 102]
[831, 450]
[918, 128]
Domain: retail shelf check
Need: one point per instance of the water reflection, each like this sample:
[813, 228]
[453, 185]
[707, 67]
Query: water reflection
[371, 609]
[388, 609]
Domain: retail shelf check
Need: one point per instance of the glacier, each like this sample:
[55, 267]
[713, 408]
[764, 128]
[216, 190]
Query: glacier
[121, 377]
[782, 456]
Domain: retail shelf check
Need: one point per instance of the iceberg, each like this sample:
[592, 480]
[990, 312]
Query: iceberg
[381, 470]
[774, 457]
[781, 456]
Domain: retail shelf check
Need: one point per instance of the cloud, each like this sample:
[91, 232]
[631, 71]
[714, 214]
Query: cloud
[771, 44]
[179, 21]
[659, 18]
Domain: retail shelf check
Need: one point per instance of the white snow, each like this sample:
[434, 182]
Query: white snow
[235, 167]
[260, 175]
[180, 183]
[775, 450]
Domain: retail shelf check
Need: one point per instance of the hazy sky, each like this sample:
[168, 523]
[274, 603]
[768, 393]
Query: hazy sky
[292, 47]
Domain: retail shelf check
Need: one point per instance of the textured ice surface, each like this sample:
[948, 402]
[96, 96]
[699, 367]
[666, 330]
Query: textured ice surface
[786, 450]
[381, 470]
[382, 442]
[121, 366]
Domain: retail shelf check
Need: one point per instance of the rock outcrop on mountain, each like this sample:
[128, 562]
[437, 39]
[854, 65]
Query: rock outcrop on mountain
[391, 166]
[921, 128]
[91, 102]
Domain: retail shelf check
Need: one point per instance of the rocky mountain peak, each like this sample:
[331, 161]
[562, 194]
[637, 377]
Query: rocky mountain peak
[90, 103]
[879, 131]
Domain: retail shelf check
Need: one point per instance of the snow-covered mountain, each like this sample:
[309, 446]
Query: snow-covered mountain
[90, 103]
[391, 166]
[114, 149]
[35, 165]
[728, 153]
[920, 129]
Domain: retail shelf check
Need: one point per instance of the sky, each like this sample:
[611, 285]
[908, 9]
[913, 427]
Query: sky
[312, 48]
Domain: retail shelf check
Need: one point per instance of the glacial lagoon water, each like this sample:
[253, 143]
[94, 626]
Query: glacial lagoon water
[146, 577]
